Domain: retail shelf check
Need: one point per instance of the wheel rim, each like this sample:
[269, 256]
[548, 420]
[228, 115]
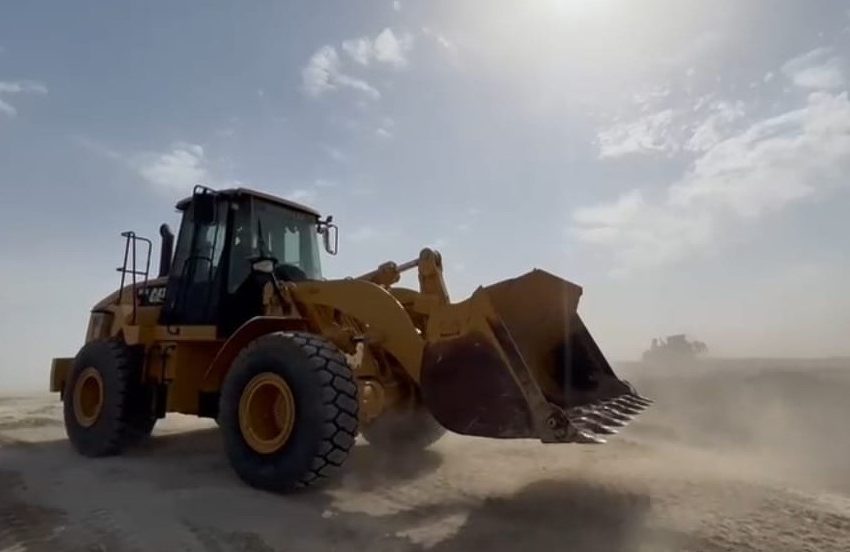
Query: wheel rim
[88, 397]
[266, 413]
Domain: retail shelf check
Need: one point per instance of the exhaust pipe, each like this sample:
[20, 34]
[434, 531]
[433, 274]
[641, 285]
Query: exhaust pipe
[166, 251]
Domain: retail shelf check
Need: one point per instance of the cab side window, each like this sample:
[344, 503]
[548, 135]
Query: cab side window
[193, 286]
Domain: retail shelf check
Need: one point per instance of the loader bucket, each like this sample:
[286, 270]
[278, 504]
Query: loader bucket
[515, 360]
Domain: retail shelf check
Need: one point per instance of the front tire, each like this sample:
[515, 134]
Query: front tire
[288, 411]
[105, 407]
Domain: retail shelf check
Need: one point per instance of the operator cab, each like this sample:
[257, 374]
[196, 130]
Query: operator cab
[230, 244]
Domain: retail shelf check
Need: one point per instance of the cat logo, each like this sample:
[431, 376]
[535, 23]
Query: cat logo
[151, 296]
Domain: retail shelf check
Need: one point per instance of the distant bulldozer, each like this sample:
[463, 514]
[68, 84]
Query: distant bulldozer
[675, 348]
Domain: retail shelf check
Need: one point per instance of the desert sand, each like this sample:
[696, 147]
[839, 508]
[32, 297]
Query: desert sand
[734, 455]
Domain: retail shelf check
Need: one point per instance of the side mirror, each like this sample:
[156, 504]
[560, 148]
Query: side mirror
[203, 203]
[330, 235]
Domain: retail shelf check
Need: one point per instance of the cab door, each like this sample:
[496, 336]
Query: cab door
[197, 274]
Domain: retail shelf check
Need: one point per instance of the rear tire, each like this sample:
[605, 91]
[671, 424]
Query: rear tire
[309, 425]
[104, 403]
[404, 430]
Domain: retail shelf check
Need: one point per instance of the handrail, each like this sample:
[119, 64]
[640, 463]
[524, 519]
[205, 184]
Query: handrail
[130, 255]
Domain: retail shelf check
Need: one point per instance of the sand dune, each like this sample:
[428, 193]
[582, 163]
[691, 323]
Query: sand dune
[733, 456]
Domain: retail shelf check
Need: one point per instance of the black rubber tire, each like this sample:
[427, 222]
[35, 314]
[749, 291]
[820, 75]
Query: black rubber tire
[143, 420]
[120, 422]
[326, 409]
[404, 430]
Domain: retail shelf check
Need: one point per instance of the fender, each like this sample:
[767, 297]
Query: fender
[246, 333]
[390, 327]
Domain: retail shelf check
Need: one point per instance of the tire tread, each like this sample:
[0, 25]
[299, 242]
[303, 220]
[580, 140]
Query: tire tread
[338, 396]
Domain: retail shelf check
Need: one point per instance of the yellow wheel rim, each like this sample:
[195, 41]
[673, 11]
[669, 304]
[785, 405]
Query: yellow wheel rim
[266, 413]
[88, 397]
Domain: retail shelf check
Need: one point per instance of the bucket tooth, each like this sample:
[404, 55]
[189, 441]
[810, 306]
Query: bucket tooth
[601, 419]
[604, 417]
[628, 409]
[612, 406]
[614, 414]
[611, 421]
[597, 427]
[629, 399]
[638, 400]
[590, 424]
[588, 438]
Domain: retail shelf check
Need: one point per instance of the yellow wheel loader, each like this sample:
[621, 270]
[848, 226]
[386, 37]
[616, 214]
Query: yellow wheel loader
[240, 326]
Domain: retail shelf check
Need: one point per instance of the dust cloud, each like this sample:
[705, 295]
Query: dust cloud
[733, 455]
[787, 417]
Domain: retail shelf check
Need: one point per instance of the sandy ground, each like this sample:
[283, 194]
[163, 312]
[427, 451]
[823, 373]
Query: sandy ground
[733, 456]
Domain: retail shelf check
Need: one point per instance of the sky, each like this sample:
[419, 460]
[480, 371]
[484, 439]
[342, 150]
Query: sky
[687, 163]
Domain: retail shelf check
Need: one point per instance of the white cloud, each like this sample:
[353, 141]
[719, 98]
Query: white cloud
[641, 233]
[326, 71]
[764, 168]
[335, 153]
[358, 49]
[179, 169]
[702, 101]
[391, 49]
[396, 5]
[11, 88]
[671, 130]
[444, 42]
[176, 170]
[649, 133]
[649, 98]
[818, 69]
[7, 108]
[386, 48]
[712, 129]
[18, 87]
[319, 73]
[98, 148]
[386, 130]
[323, 74]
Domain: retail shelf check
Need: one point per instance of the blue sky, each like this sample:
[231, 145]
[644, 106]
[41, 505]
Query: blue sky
[686, 162]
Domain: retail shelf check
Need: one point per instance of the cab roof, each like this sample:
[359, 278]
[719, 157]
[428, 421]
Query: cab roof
[235, 193]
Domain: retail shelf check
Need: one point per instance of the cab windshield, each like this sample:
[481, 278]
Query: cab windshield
[262, 228]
